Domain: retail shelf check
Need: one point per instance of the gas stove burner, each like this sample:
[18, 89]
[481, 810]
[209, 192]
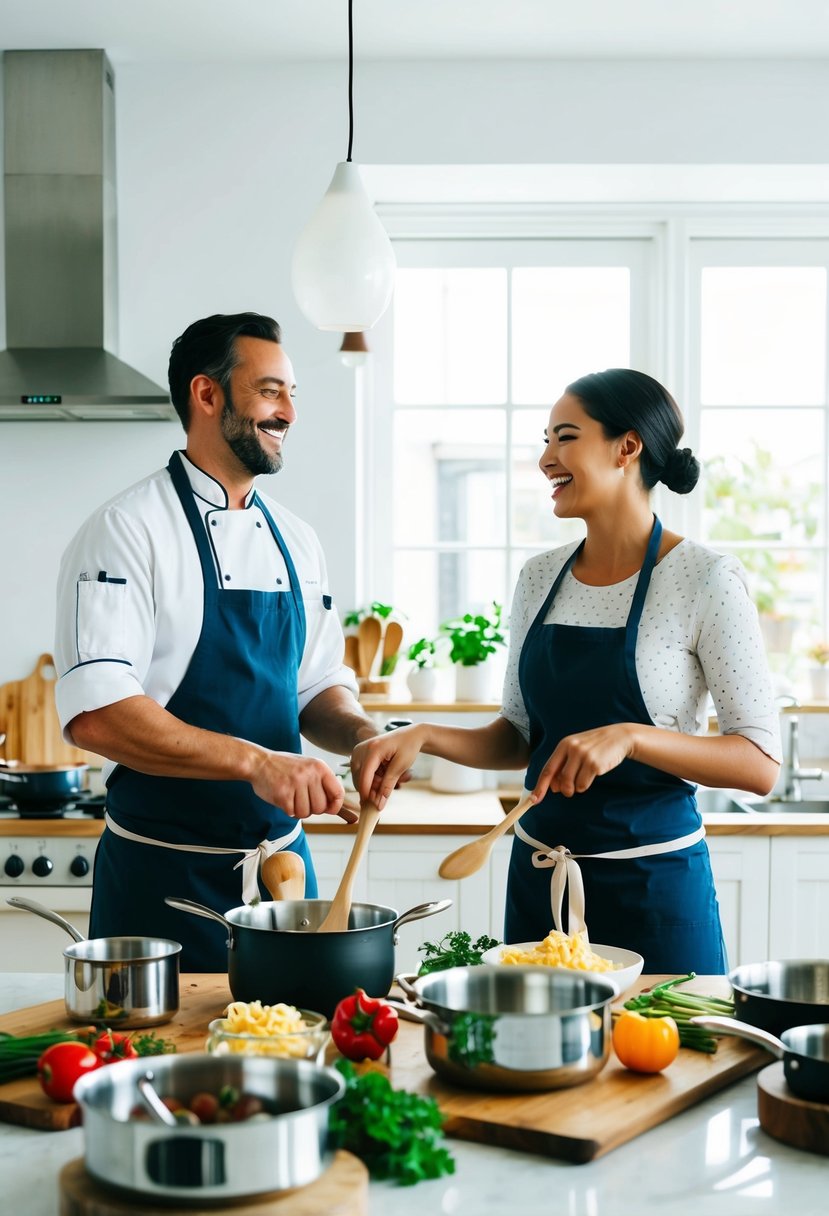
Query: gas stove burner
[81, 805]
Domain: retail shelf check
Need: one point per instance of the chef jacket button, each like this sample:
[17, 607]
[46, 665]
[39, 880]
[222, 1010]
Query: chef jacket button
[227, 578]
[212, 523]
[258, 524]
[279, 580]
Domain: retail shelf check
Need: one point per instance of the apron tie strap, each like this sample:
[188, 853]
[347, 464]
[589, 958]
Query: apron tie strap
[566, 871]
[250, 861]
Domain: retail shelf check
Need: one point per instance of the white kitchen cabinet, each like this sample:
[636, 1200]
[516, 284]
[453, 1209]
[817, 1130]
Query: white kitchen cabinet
[799, 897]
[741, 875]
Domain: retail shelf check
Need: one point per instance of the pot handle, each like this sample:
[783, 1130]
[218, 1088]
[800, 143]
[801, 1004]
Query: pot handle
[419, 911]
[406, 982]
[742, 1031]
[190, 905]
[425, 1017]
[31, 905]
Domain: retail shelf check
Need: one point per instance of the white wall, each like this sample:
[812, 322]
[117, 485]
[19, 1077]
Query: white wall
[218, 168]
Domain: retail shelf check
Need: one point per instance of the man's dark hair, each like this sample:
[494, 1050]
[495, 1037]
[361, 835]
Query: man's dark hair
[208, 348]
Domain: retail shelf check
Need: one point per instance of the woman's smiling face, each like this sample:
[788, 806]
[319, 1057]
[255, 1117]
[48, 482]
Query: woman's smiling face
[580, 462]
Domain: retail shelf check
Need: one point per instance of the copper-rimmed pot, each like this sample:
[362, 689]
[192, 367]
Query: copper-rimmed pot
[118, 981]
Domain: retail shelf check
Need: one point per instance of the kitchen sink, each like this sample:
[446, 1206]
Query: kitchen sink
[808, 806]
[722, 802]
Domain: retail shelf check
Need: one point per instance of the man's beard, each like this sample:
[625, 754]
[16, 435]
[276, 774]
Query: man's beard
[243, 439]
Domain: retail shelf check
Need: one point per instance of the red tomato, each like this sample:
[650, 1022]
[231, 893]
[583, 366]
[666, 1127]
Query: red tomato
[62, 1065]
[111, 1046]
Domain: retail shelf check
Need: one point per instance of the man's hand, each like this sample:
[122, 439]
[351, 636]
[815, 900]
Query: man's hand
[381, 764]
[300, 785]
[579, 759]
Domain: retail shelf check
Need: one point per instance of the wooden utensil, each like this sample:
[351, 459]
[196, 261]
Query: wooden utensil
[352, 653]
[391, 644]
[368, 639]
[336, 920]
[29, 719]
[469, 858]
[283, 873]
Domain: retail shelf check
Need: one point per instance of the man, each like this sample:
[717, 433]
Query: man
[195, 641]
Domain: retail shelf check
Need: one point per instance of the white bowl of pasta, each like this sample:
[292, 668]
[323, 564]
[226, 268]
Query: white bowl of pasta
[619, 967]
[250, 1028]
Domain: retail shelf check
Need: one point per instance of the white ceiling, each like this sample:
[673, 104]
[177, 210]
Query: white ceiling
[280, 30]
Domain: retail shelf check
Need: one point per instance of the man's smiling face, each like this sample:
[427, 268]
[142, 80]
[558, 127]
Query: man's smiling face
[259, 405]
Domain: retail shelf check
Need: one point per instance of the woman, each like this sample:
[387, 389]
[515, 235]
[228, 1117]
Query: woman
[615, 644]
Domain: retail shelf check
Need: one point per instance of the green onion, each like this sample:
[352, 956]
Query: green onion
[663, 1002]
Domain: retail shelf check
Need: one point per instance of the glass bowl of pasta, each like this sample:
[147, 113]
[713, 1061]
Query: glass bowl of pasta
[250, 1028]
[619, 967]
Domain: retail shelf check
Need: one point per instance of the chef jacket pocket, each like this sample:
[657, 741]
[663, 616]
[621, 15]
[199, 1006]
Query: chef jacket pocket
[100, 619]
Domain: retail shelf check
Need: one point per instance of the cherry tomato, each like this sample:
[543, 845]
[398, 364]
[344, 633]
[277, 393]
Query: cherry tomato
[645, 1044]
[111, 1046]
[61, 1066]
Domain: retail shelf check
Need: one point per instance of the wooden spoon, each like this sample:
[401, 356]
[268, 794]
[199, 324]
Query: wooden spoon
[368, 639]
[469, 858]
[336, 921]
[391, 644]
[283, 873]
[352, 653]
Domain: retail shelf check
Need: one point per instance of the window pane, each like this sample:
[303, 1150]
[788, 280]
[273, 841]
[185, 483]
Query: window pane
[763, 335]
[533, 520]
[433, 587]
[449, 476]
[450, 337]
[567, 321]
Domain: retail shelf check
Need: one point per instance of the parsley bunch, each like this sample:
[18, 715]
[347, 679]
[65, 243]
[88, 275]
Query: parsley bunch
[456, 949]
[396, 1133]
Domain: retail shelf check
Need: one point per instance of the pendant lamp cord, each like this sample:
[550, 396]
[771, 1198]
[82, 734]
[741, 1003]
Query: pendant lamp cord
[350, 81]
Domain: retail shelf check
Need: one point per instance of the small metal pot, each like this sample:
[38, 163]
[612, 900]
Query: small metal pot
[513, 1028]
[804, 1051]
[275, 954]
[213, 1161]
[32, 785]
[779, 995]
[118, 981]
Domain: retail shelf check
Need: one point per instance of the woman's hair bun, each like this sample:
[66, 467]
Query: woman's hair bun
[681, 471]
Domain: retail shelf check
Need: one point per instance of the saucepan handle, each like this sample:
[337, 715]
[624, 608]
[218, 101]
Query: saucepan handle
[190, 905]
[31, 905]
[741, 1030]
[419, 911]
[406, 982]
[425, 1017]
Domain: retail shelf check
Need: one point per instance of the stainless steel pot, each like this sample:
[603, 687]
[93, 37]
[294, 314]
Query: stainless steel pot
[118, 981]
[513, 1028]
[213, 1161]
[275, 954]
[779, 995]
[804, 1051]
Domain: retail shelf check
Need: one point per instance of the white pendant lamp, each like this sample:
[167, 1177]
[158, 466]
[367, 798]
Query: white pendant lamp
[343, 265]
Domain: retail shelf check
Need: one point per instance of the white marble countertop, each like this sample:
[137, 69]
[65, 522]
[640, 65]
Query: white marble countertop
[713, 1159]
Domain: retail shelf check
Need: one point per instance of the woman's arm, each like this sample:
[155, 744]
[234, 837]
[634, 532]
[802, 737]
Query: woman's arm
[722, 760]
[378, 764]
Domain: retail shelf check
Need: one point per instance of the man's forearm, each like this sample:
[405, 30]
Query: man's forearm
[336, 722]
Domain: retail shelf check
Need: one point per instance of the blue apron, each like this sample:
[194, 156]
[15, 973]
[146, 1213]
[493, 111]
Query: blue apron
[241, 680]
[574, 679]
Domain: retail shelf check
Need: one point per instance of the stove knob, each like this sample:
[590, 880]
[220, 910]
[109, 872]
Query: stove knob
[42, 866]
[14, 866]
[79, 866]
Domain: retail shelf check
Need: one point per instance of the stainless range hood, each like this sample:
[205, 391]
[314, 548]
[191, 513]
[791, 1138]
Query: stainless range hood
[60, 243]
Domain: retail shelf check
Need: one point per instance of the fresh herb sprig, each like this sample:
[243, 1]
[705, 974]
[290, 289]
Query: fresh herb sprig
[396, 1133]
[456, 949]
[19, 1054]
[662, 1001]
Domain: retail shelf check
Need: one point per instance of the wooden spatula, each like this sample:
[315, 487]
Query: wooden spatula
[368, 639]
[352, 653]
[283, 873]
[469, 858]
[391, 644]
[336, 921]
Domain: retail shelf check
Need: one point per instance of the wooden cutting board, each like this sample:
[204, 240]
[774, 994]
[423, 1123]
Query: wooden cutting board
[789, 1118]
[574, 1124]
[29, 718]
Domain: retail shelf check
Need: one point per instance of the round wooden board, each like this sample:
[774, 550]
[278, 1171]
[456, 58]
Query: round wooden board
[789, 1118]
[341, 1191]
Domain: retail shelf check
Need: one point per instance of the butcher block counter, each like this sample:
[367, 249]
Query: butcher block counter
[714, 1158]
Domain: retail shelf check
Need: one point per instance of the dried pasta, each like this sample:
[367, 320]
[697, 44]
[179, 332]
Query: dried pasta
[558, 950]
[283, 1023]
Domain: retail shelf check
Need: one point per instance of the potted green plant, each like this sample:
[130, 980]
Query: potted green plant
[422, 679]
[819, 672]
[473, 638]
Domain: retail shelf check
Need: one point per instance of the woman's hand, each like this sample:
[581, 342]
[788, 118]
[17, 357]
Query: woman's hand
[579, 759]
[381, 764]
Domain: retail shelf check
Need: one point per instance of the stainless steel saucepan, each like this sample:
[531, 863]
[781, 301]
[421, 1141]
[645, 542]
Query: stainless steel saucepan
[118, 981]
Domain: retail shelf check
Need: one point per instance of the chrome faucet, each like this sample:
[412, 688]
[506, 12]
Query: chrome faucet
[793, 774]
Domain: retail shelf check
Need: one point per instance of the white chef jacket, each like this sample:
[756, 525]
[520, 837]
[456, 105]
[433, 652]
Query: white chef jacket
[131, 597]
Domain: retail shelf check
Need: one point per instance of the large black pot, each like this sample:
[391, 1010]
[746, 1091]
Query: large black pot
[275, 954]
[779, 995]
[33, 785]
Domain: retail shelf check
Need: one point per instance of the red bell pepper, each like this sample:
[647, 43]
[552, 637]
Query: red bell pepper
[363, 1026]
